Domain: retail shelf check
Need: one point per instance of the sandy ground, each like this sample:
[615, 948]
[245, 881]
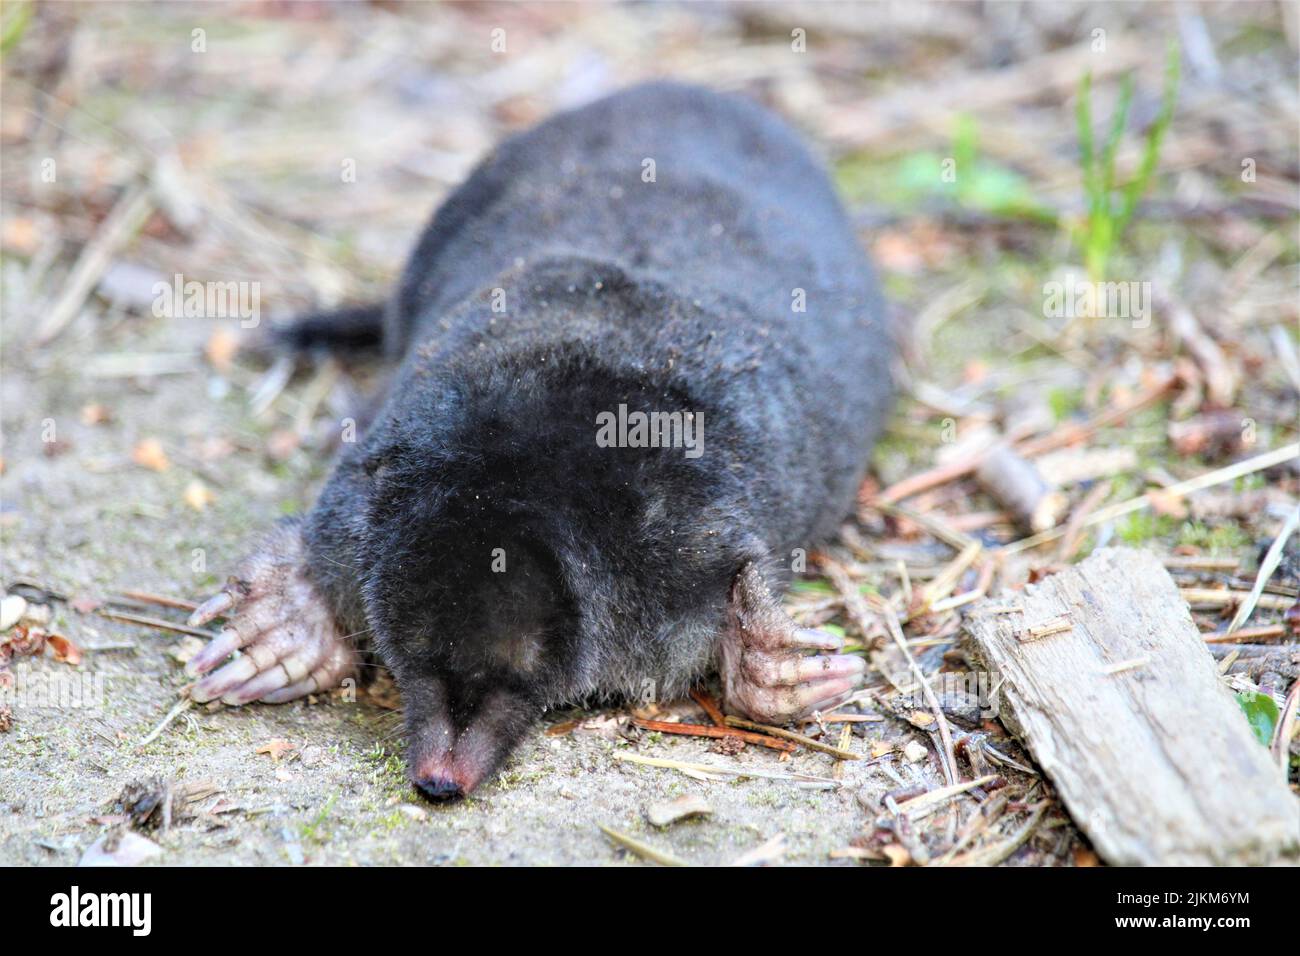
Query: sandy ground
[88, 521]
[265, 124]
[262, 130]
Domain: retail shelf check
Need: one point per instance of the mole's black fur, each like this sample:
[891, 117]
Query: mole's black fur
[667, 249]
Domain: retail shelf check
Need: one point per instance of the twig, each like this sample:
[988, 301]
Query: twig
[991, 856]
[946, 580]
[1076, 433]
[706, 730]
[802, 779]
[643, 850]
[1222, 597]
[851, 718]
[1074, 527]
[838, 753]
[945, 733]
[927, 803]
[1200, 482]
[957, 540]
[846, 738]
[1221, 379]
[160, 599]
[180, 707]
[1122, 666]
[156, 622]
[710, 707]
[988, 814]
[1266, 569]
[943, 474]
[1057, 625]
[1247, 634]
[854, 604]
[1016, 483]
[125, 219]
[1196, 562]
[1286, 728]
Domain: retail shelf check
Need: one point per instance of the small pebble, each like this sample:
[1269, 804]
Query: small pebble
[11, 610]
[120, 848]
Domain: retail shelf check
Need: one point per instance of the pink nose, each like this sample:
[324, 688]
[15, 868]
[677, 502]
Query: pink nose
[443, 777]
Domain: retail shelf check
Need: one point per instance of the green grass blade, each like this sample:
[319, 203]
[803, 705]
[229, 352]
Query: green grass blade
[1155, 136]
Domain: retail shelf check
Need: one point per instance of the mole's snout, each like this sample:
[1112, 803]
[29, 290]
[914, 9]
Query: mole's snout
[445, 777]
[450, 756]
[440, 789]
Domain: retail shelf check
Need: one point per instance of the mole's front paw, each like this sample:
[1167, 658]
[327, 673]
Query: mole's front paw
[282, 633]
[766, 673]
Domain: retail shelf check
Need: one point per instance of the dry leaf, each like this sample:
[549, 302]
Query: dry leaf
[276, 748]
[65, 651]
[148, 453]
[670, 811]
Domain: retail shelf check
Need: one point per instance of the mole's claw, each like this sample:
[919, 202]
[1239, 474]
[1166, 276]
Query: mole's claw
[289, 670]
[824, 695]
[813, 639]
[227, 678]
[216, 651]
[341, 662]
[288, 640]
[787, 671]
[765, 673]
[308, 685]
[213, 607]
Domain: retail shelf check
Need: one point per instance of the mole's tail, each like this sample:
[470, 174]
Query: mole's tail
[352, 329]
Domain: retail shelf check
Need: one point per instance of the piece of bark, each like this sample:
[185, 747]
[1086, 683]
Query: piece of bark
[1127, 715]
[1016, 483]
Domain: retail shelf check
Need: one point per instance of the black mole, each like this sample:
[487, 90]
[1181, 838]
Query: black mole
[643, 362]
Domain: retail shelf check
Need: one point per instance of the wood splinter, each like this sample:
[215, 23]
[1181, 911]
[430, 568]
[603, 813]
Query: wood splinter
[1057, 625]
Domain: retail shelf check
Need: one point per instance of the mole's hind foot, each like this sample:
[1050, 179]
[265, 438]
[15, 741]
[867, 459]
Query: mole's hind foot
[282, 633]
[766, 673]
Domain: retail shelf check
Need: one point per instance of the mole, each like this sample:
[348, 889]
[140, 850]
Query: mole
[640, 360]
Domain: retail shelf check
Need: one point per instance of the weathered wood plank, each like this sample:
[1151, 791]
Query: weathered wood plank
[1125, 712]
